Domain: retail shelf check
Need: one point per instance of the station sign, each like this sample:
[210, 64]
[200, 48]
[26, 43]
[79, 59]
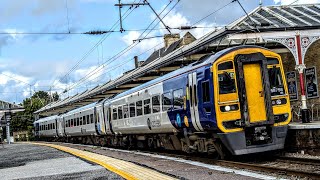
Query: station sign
[311, 82]
[292, 85]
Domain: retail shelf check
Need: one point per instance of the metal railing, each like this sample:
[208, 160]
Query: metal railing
[315, 112]
[295, 112]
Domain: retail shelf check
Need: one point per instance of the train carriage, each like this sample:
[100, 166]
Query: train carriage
[80, 122]
[236, 98]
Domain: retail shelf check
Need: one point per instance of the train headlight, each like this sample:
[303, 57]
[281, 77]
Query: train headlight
[227, 108]
[279, 101]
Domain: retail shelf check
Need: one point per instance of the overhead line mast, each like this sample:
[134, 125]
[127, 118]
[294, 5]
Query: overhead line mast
[145, 2]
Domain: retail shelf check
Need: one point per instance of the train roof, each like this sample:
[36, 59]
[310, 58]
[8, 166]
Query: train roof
[204, 61]
[46, 119]
[92, 105]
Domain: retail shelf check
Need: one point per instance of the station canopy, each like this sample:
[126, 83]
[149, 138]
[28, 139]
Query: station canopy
[275, 19]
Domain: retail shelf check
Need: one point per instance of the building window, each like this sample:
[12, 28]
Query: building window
[114, 114]
[120, 112]
[139, 108]
[205, 91]
[132, 110]
[125, 111]
[147, 108]
[166, 101]
[155, 104]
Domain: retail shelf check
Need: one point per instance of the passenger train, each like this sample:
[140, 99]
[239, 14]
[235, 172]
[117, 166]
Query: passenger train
[235, 101]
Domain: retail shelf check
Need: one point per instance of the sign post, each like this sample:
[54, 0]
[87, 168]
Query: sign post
[8, 120]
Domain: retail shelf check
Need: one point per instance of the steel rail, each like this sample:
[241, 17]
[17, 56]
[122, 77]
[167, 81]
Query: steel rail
[270, 169]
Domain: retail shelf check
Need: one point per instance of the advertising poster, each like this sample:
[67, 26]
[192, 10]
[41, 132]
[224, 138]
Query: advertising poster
[311, 82]
[292, 85]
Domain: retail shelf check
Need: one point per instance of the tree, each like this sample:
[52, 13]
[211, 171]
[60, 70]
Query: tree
[23, 120]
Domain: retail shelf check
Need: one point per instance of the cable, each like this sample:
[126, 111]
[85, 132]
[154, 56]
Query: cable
[215, 11]
[16, 79]
[68, 16]
[96, 45]
[124, 50]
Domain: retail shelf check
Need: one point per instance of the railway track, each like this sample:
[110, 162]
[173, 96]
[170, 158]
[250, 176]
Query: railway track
[280, 165]
[271, 169]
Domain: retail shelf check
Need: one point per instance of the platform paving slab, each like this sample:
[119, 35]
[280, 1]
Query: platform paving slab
[25, 161]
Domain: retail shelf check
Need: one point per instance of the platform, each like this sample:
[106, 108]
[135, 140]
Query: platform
[25, 161]
[300, 125]
[125, 169]
[304, 137]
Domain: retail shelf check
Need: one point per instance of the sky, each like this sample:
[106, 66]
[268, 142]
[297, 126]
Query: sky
[37, 52]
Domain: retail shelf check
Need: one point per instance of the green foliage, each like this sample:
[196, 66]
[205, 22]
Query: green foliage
[24, 120]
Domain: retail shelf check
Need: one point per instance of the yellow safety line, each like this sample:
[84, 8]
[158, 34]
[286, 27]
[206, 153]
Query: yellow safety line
[125, 169]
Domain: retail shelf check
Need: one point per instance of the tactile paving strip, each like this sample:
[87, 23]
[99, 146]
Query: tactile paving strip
[125, 169]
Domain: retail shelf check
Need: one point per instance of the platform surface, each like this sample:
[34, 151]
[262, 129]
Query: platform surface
[300, 125]
[25, 161]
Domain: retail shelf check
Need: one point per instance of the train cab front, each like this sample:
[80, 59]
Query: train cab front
[252, 102]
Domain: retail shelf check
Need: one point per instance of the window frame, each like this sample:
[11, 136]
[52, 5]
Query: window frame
[152, 103]
[163, 104]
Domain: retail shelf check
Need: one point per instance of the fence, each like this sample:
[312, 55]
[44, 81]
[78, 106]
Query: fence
[314, 112]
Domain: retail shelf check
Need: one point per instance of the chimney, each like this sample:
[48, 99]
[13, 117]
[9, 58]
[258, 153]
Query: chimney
[170, 38]
[136, 62]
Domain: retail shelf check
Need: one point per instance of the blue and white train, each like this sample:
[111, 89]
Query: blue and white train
[233, 101]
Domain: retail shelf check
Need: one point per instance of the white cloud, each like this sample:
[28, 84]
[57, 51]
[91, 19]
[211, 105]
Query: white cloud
[18, 79]
[286, 2]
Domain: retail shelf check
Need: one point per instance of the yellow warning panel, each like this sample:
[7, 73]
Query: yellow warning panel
[255, 94]
[125, 169]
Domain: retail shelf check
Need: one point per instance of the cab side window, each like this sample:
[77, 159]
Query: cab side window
[226, 78]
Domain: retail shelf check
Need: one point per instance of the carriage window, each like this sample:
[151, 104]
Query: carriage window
[91, 118]
[155, 104]
[132, 110]
[88, 120]
[276, 84]
[178, 99]
[71, 123]
[80, 121]
[54, 126]
[205, 91]
[139, 108]
[147, 108]
[114, 114]
[225, 66]
[166, 101]
[226, 83]
[84, 120]
[120, 112]
[125, 111]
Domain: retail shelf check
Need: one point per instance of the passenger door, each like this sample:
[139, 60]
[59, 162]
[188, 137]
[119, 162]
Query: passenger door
[193, 101]
[254, 89]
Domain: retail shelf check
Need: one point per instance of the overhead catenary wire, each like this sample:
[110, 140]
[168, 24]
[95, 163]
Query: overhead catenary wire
[126, 49]
[79, 82]
[127, 13]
